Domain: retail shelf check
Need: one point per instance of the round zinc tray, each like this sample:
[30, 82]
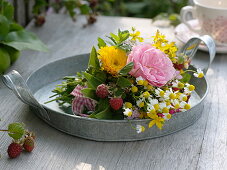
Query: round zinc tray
[37, 89]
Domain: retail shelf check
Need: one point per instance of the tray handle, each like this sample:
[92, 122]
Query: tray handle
[191, 47]
[15, 82]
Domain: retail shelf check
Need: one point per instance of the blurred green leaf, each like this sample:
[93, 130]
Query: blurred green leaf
[6, 9]
[23, 39]
[123, 82]
[101, 42]
[4, 27]
[85, 9]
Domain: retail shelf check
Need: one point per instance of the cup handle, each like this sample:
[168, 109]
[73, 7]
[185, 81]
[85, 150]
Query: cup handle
[184, 13]
[191, 47]
[14, 81]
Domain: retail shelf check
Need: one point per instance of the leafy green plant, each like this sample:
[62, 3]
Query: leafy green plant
[14, 38]
[72, 7]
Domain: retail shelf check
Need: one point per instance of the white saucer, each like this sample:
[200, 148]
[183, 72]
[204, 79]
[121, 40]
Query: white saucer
[183, 33]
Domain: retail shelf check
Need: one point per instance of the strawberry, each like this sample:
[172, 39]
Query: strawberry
[102, 91]
[14, 150]
[116, 103]
[29, 144]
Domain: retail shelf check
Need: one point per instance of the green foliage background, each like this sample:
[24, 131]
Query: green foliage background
[140, 8]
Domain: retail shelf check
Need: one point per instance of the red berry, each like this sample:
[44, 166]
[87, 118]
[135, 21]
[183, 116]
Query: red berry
[102, 91]
[178, 66]
[40, 20]
[116, 103]
[14, 150]
[29, 144]
[175, 89]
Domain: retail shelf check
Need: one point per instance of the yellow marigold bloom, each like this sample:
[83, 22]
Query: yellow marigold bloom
[112, 59]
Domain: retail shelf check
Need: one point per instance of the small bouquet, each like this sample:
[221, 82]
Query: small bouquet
[129, 79]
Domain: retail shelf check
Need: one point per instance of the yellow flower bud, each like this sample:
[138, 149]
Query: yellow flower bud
[187, 106]
[140, 82]
[169, 116]
[181, 85]
[191, 87]
[128, 105]
[172, 96]
[146, 94]
[149, 87]
[141, 104]
[200, 75]
[162, 93]
[134, 89]
[165, 110]
[177, 106]
[145, 83]
[156, 106]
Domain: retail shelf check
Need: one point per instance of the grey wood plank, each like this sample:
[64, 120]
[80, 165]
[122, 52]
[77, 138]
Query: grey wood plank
[187, 149]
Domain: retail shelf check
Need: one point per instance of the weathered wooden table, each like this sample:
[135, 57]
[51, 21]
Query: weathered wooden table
[201, 146]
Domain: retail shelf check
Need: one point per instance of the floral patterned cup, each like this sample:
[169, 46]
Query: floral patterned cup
[212, 17]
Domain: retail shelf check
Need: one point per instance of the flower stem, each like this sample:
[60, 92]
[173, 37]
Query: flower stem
[2, 130]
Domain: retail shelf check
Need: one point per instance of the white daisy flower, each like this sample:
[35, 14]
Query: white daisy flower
[140, 102]
[139, 78]
[159, 92]
[169, 94]
[199, 73]
[140, 128]
[188, 88]
[128, 112]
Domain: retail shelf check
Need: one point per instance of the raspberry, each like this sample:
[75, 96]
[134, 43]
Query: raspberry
[116, 103]
[14, 150]
[178, 66]
[102, 91]
[29, 144]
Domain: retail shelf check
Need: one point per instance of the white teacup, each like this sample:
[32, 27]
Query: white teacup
[212, 17]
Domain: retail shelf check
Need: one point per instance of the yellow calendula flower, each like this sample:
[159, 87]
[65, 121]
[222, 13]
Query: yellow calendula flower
[158, 121]
[112, 59]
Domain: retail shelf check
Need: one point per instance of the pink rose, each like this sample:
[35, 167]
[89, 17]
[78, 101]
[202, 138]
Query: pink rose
[151, 64]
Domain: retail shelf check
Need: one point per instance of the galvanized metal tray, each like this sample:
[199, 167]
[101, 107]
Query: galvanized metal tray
[37, 89]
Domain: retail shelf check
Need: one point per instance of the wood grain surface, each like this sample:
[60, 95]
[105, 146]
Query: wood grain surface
[201, 146]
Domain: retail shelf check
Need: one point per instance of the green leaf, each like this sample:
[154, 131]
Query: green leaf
[15, 27]
[90, 93]
[105, 114]
[101, 42]
[93, 81]
[38, 6]
[6, 9]
[186, 78]
[4, 27]
[123, 82]
[85, 9]
[126, 69]
[101, 75]
[115, 37]
[93, 60]
[16, 130]
[23, 39]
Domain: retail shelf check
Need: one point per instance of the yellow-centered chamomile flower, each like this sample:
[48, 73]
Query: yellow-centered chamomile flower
[140, 80]
[140, 128]
[188, 88]
[199, 73]
[112, 59]
[166, 116]
[184, 106]
[159, 92]
[128, 112]
[140, 103]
